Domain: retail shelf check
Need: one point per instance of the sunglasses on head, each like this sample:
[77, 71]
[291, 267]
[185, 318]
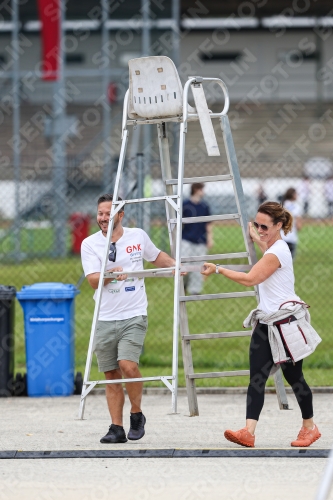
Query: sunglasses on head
[113, 252]
[262, 226]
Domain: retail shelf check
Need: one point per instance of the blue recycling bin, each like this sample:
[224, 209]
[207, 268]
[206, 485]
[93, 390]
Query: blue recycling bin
[49, 337]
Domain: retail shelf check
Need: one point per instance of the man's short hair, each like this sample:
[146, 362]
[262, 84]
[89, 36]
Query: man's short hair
[108, 197]
[196, 187]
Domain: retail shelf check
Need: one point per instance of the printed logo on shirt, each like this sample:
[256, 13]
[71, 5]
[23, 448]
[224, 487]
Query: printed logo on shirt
[135, 252]
[113, 290]
[129, 279]
[129, 288]
[134, 248]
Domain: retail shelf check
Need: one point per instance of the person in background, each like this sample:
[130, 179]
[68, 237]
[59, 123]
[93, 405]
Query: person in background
[303, 192]
[329, 195]
[197, 237]
[290, 203]
[261, 195]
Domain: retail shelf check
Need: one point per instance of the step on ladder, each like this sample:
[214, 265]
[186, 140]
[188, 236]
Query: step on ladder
[155, 96]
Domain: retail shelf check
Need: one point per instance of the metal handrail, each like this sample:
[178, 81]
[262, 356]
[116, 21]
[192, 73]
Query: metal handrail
[199, 79]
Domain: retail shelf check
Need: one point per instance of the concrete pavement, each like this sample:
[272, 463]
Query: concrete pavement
[49, 424]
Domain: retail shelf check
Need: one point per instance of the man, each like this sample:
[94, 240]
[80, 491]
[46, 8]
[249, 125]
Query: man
[122, 321]
[197, 237]
[329, 195]
[303, 191]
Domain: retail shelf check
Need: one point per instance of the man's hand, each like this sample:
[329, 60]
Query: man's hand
[208, 268]
[164, 260]
[93, 279]
[182, 273]
[120, 277]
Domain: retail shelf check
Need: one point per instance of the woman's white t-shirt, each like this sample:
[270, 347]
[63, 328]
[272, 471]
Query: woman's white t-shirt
[120, 299]
[279, 287]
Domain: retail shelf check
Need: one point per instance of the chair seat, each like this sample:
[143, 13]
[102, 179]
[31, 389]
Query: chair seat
[155, 90]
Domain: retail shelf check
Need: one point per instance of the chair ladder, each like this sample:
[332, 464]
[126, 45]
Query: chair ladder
[241, 217]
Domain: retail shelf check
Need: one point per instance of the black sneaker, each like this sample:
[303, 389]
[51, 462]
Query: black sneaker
[137, 429]
[116, 434]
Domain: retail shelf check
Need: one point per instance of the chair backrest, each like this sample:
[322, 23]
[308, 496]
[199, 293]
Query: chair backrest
[155, 90]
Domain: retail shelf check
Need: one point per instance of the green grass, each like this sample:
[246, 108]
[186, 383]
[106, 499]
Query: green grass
[313, 270]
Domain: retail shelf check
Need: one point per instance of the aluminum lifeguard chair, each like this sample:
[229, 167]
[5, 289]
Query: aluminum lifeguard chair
[156, 96]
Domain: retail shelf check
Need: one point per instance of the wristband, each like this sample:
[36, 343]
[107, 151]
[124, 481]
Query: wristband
[217, 268]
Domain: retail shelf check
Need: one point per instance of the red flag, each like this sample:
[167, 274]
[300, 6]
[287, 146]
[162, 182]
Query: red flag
[49, 13]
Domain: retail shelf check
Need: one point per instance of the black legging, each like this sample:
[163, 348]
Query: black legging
[261, 362]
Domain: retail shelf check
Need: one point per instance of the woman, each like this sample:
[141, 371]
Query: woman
[290, 204]
[279, 307]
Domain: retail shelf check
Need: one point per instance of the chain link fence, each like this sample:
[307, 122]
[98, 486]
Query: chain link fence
[29, 222]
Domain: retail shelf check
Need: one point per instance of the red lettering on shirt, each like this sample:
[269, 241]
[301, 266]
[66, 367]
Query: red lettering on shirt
[133, 248]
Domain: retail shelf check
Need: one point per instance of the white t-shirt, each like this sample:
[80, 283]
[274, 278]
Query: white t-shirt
[120, 299]
[279, 287]
[303, 190]
[295, 211]
[329, 190]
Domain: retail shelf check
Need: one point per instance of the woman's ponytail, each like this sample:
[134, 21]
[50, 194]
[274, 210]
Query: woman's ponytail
[287, 224]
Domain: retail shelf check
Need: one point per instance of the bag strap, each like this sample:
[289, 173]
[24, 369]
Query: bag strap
[295, 302]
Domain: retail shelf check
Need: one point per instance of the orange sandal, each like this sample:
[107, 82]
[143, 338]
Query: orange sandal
[242, 437]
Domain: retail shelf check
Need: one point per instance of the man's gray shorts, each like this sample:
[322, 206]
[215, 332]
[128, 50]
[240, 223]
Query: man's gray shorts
[117, 340]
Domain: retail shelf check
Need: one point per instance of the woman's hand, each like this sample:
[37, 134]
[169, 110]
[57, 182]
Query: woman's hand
[256, 238]
[208, 268]
[253, 233]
